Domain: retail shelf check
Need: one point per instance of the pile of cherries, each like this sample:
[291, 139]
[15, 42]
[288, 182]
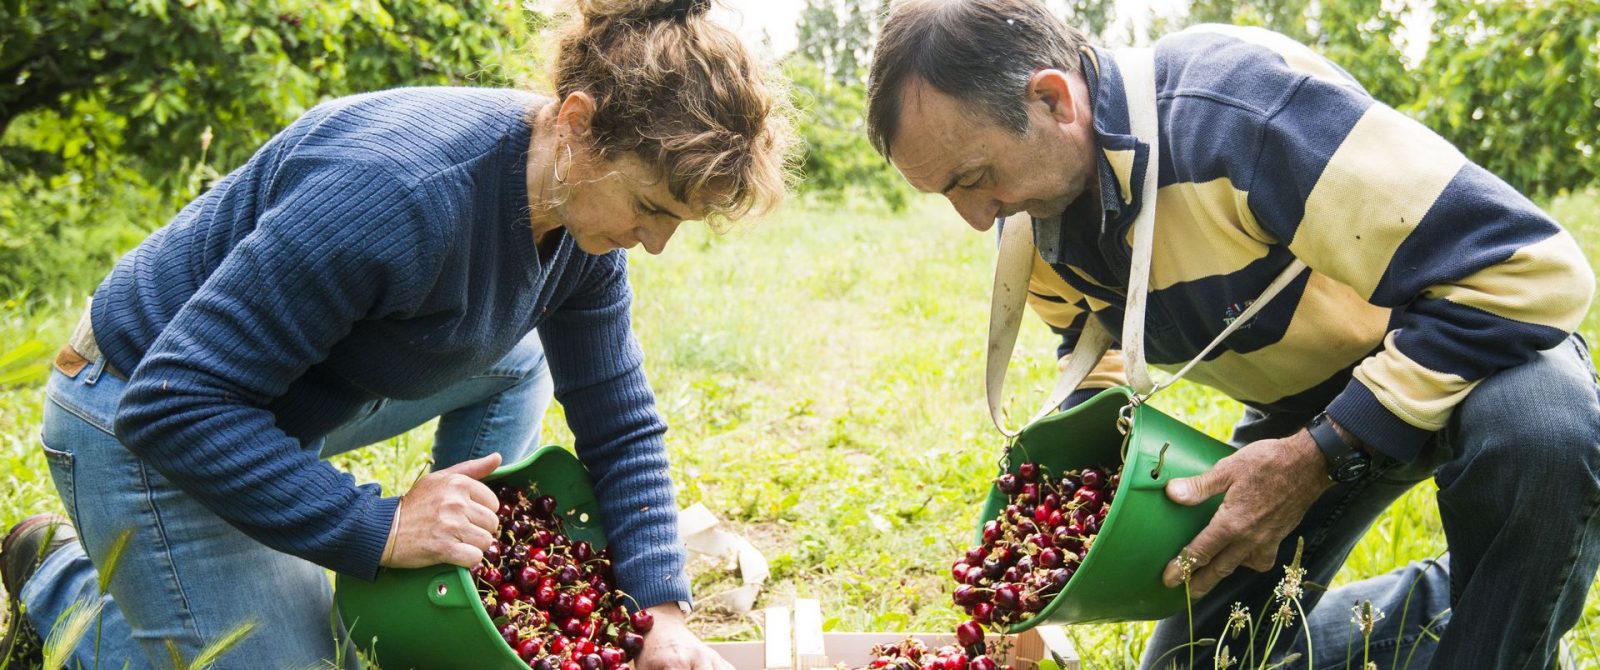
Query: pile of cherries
[1033, 546]
[552, 597]
[1028, 553]
[914, 654]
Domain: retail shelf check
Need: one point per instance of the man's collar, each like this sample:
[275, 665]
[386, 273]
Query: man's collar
[1062, 239]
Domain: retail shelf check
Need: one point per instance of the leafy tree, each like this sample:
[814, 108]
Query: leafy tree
[838, 159]
[1092, 17]
[146, 77]
[837, 35]
[1284, 16]
[828, 73]
[1516, 85]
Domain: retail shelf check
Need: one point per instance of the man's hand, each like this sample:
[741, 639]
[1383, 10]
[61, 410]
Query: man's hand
[447, 517]
[1267, 486]
[670, 645]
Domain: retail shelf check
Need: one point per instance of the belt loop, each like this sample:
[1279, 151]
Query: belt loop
[82, 341]
[91, 374]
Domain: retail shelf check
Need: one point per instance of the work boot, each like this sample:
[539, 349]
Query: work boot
[21, 552]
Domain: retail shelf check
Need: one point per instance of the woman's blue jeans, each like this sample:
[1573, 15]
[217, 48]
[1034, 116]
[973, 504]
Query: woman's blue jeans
[186, 576]
[1518, 470]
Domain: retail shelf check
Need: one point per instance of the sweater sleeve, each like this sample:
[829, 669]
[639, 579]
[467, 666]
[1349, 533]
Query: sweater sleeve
[599, 377]
[341, 242]
[1478, 278]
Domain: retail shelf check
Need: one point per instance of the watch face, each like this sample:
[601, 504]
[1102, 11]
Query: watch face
[1352, 469]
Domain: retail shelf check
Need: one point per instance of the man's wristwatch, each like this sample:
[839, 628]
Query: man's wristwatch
[1345, 462]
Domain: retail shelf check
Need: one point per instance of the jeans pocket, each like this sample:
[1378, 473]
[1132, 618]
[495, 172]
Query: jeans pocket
[62, 474]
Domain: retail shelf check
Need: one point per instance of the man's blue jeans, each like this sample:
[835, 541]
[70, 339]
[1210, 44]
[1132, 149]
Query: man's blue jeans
[186, 576]
[1518, 470]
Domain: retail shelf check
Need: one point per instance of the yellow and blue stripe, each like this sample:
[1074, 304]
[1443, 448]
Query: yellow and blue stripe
[1428, 274]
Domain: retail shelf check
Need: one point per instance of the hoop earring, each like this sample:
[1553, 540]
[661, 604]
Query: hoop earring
[555, 169]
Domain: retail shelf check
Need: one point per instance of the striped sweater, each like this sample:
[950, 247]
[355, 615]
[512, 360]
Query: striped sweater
[1428, 273]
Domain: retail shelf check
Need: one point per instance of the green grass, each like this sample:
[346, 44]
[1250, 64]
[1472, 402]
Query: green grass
[822, 374]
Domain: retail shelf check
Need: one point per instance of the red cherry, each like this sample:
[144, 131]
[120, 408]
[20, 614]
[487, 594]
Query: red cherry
[967, 596]
[1093, 478]
[643, 621]
[612, 657]
[1008, 484]
[582, 606]
[969, 633]
[1050, 558]
[528, 578]
[544, 507]
[982, 663]
[1028, 471]
[509, 592]
[527, 648]
[631, 644]
[1006, 597]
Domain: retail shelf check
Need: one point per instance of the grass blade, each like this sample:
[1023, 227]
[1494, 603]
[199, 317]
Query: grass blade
[114, 557]
[68, 632]
[213, 651]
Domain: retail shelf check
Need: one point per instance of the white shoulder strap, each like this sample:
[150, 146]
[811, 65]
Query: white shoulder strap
[1139, 80]
[1015, 265]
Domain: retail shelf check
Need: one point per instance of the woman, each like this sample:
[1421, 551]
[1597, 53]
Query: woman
[386, 259]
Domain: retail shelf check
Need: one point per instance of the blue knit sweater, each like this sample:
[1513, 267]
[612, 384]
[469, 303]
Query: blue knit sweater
[379, 247]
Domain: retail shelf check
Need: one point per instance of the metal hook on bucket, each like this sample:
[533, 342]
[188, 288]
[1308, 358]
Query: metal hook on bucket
[1161, 459]
[1125, 423]
[1125, 415]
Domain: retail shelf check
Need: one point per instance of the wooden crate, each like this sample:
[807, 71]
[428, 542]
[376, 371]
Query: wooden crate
[794, 641]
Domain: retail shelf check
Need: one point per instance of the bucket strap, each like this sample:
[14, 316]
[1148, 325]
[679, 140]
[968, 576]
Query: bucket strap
[1015, 265]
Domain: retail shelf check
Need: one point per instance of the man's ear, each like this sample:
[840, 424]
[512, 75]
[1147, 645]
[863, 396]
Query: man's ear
[576, 114]
[1053, 88]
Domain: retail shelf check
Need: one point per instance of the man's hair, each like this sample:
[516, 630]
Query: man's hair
[980, 52]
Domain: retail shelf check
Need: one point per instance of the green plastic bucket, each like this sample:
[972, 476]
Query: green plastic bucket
[1120, 578]
[431, 617]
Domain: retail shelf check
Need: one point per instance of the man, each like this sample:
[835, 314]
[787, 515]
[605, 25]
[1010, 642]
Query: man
[1432, 335]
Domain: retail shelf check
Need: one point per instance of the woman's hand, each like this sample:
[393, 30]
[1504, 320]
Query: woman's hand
[447, 517]
[670, 646]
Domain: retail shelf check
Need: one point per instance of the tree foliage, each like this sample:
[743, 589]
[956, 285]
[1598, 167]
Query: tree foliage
[1514, 83]
[144, 78]
[828, 73]
[838, 160]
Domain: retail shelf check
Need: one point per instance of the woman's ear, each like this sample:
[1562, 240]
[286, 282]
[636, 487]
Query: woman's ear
[576, 114]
